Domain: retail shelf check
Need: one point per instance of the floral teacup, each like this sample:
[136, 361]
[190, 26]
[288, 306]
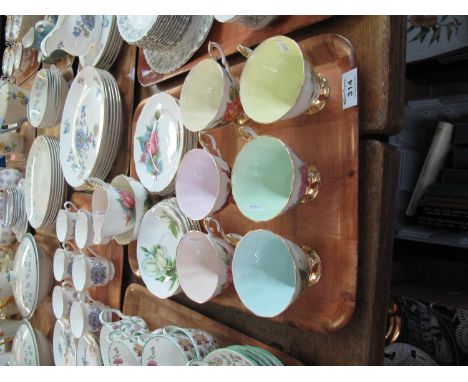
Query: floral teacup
[210, 94]
[127, 326]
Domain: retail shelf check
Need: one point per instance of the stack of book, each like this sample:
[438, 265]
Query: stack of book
[444, 204]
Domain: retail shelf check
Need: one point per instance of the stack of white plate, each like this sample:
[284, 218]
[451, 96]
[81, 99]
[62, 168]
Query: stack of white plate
[48, 95]
[161, 229]
[104, 53]
[91, 127]
[44, 186]
[14, 210]
[160, 142]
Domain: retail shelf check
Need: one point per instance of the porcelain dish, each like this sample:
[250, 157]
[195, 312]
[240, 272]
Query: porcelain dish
[32, 276]
[91, 126]
[44, 186]
[161, 229]
[159, 143]
[172, 58]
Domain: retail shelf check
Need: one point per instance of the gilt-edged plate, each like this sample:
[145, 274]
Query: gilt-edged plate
[83, 121]
[158, 238]
[158, 142]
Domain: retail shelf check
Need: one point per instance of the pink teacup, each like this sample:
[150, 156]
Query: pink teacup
[203, 262]
[202, 183]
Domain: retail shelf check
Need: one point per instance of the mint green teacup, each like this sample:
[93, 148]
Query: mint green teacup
[270, 272]
[268, 178]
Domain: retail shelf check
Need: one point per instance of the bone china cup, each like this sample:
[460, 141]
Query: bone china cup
[62, 299]
[268, 178]
[113, 211]
[91, 271]
[84, 231]
[270, 272]
[278, 82]
[210, 94]
[62, 263]
[84, 317]
[65, 224]
[203, 263]
[202, 182]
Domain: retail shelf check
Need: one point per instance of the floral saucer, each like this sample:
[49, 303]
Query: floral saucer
[64, 344]
[158, 142]
[158, 238]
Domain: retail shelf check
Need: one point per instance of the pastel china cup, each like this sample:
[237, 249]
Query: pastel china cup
[210, 94]
[84, 317]
[175, 349]
[13, 103]
[113, 211]
[65, 224]
[268, 178]
[203, 262]
[91, 271]
[202, 182]
[63, 297]
[9, 177]
[84, 230]
[6, 289]
[11, 142]
[202, 341]
[279, 83]
[270, 272]
[127, 326]
[63, 262]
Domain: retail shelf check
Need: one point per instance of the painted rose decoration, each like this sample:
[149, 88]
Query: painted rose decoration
[149, 145]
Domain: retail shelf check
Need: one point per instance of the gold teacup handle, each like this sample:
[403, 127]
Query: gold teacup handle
[6, 302]
[313, 183]
[92, 183]
[315, 265]
[233, 239]
[321, 101]
[246, 52]
[247, 133]
[207, 224]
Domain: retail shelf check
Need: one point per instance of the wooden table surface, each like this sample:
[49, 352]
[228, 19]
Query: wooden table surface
[379, 43]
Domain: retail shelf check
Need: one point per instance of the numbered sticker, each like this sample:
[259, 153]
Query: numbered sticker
[349, 89]
[255, 207]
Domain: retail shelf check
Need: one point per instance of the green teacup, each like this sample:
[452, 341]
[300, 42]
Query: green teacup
[268, 178]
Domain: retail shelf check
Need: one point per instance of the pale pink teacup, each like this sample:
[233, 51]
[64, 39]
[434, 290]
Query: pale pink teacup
[203, 182]
[203, 262]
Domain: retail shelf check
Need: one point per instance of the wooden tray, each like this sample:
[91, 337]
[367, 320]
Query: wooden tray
[158, 313]
[329, 224]
[229, 35]
[110, 294]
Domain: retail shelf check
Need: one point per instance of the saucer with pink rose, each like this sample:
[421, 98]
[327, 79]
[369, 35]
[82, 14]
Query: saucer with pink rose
[160, 142]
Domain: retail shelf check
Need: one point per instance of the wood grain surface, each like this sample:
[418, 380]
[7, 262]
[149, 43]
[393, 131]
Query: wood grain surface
[231, 34]
[361, 342]
[329, 224]
[159, 313]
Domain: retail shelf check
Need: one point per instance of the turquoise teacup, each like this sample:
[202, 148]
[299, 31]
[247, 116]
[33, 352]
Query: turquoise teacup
[270, 272]
[268, 178]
